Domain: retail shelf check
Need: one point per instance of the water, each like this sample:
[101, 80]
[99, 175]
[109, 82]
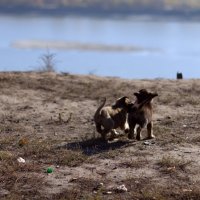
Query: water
[167, 46]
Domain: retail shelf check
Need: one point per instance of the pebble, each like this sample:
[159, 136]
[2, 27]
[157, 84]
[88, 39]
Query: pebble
[187, 190]
[73, 179]
[21, 160]
[99, 186]
[122, 188]
[147, 143]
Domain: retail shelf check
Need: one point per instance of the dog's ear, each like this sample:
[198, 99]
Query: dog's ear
[136, 94]
[122, 101]
[143, 91]
[126, 100]
[154, 95]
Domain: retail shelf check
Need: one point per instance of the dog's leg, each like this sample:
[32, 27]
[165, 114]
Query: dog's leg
[150, 130]
[114, 134]
[98, 128]
[131, 131]
[138, 132]
[108, 125]
[126, 125]
[104, 134]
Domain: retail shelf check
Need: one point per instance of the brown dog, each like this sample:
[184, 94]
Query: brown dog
[140, 118]
[109, 118]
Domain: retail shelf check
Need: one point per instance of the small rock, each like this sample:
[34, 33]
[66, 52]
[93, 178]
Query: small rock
[147, 143]
[187, 190]
[21, 160]
[173, 135]
[184, 126]
[22, 142]
[187, 152]
[176, 150]
[4, 192]
[137, 182]
[108, 192]
[72, 180]
[99, 186]
[122, 188]
[171, 168]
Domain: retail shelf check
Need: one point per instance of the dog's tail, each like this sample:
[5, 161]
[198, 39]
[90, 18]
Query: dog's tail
[97, 113]
[99, 109]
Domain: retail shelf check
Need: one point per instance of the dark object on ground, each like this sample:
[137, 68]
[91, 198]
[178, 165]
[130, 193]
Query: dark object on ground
[179, 75]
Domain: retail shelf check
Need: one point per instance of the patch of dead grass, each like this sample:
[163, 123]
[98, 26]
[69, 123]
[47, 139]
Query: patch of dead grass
[171, 164]
[5, 155]
[7, 141]
[19, 179]
[83, 189]
[46, 151]
[71, 158]
[133, 163]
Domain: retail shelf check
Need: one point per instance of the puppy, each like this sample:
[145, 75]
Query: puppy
[142, 117]
[109, 118]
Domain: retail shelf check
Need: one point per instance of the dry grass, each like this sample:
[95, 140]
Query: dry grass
[71, 158]
[5, 155]
[20, 180]
[36, 125]
[47, 152]
[84, 189]
[133, 163]
[171, 164]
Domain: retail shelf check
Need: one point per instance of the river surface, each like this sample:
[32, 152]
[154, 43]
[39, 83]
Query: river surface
[139, 47]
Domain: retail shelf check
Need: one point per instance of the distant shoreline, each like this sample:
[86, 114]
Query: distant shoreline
[101, 12]
[65, 45]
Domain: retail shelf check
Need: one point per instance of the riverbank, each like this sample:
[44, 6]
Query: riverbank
[103, 11]
[46, 118]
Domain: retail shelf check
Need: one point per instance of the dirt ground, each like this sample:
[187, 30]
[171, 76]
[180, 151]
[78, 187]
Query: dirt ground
[47, 119]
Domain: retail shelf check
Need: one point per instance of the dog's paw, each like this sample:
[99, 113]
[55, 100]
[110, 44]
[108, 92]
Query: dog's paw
[130, 136]
[151, 137]
[138, 137]
[127, 130]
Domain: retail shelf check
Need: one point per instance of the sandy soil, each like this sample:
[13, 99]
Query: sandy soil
[47, 119]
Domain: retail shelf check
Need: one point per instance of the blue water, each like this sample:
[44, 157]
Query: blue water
[169, 46]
